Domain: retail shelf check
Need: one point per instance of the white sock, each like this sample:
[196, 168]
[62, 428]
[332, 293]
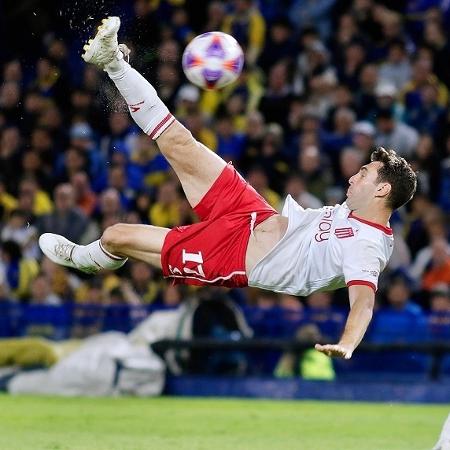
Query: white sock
[94, 254]
[146, 108]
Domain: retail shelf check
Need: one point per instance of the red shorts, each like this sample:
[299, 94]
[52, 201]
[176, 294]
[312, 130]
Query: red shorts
[212, 252]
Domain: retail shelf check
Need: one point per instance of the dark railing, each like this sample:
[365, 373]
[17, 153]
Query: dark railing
[423, 360]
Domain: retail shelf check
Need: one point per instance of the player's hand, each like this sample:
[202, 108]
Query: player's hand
[336, 350]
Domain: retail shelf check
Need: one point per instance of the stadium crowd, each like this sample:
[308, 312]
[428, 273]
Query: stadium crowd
[324, 82]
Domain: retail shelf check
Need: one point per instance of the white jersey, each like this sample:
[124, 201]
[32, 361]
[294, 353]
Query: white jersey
[323, 249]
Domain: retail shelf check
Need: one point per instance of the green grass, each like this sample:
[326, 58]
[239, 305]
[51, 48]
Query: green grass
[48, 423]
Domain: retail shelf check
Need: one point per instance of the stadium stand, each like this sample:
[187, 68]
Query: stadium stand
[324, 82]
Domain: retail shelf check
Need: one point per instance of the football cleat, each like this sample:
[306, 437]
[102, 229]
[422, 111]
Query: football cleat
[104, 47]
[60, 250]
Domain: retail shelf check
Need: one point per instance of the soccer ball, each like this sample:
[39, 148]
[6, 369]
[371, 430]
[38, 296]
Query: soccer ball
[213, 60]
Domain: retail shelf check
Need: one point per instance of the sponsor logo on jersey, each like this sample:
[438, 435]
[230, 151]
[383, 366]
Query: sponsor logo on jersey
[373, 273]
[323, 233]
[342, 233]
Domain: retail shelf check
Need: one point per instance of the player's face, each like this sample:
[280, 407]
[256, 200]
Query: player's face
[363, 186]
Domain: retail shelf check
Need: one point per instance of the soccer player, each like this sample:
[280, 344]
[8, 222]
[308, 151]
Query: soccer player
[241, 240]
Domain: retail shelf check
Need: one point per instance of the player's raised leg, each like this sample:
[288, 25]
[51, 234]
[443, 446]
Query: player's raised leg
[118, 243]
[196, 166]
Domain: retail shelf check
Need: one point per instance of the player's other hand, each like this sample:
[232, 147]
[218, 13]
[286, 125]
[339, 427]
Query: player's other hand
[336, 350]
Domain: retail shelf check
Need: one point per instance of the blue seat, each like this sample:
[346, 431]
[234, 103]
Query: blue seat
[386, 365]
[52, 322]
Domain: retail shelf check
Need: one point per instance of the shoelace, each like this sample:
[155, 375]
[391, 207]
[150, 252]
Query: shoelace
[126, 52]
[64, 251]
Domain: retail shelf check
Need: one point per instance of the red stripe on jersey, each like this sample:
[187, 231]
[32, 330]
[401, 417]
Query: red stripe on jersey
[362, 283]
[383, 228]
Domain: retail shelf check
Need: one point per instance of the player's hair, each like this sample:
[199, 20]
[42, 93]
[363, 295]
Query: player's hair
[398, 173]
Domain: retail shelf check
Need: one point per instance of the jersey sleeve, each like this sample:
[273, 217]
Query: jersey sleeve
[363, 262]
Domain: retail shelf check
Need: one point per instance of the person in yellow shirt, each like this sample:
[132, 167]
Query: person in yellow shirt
[195, 122]
[7, 202]
[310, 364]
[248, 26]
[17, 272]
[32, 199]
[165, 212]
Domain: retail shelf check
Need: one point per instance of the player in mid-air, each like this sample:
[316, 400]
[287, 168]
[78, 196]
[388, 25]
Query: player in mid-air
[241, 240]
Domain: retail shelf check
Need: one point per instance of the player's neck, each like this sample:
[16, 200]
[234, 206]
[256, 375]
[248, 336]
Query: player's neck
[378, 216]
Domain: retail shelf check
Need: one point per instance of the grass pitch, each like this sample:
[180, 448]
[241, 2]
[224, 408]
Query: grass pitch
[48, 423]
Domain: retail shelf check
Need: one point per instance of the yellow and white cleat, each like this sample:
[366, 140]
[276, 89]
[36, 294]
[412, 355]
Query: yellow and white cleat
[104, 47]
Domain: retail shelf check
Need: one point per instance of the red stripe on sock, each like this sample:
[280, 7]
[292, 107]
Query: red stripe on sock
[109, 255]
[160, 125]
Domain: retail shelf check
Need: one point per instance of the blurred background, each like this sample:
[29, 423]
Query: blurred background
[325, 81]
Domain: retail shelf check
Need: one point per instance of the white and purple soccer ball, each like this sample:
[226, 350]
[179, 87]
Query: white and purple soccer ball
[213, 60]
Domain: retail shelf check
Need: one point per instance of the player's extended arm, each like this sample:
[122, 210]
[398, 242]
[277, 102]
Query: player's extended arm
[362, 299]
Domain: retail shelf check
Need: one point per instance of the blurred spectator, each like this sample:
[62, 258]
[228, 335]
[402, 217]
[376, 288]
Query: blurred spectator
[62, 282]
[270, 157]
[363, 134]
[197, 126]
[229, 142]
[117, 179]
[438, 270]
[142, 287]
[426, 162]
[49, 81]
[16, 272]
[10, 94]
[110, 209]
[7, 202]
[278, 95]
[305, 13]
[180, 25]
[170, 81]
[18, 229]
[315, 173]
[394, 134]
[121, 136]
[402, 320]
[216, 16]
[308, 364]
[386, 98]
[439, 320]
[341, 134]
[436, 38]
[66, 219]
[248, 27]
[82, 137]
[32, 199]
[172, 295]
[295, 186]
[423, 74]
[258, 178]
[165, 211]
[349, 70]
[187, 100]
[279, 45]
[85, 197]
[41, 292]
[10, 156]
[350, 161]
[319, 309]
[396, 70]
[314, 74]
